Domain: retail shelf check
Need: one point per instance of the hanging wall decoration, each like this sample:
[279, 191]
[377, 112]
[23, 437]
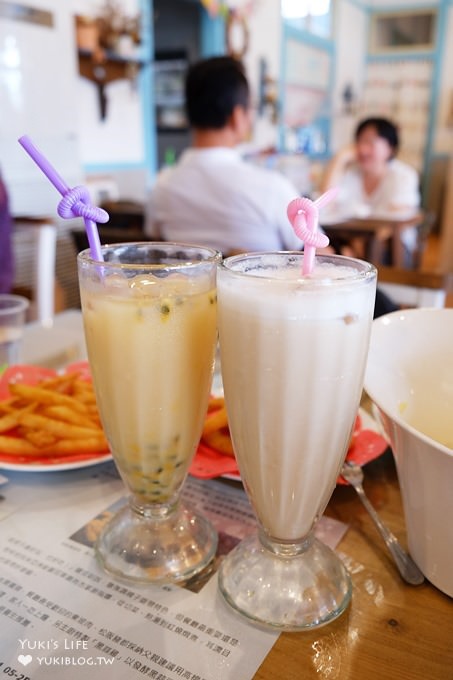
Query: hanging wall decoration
[107, 48]
[236, 15]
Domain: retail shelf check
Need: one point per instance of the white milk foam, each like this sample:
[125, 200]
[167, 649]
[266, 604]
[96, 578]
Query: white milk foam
[286, 289]
[322, 271]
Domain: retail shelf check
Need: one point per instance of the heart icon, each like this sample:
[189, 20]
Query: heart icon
[25, 660]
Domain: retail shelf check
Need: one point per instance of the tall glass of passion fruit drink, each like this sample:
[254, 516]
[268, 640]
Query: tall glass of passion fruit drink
[149, 312]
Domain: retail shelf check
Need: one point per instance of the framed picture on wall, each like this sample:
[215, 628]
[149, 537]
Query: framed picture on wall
[403, 31]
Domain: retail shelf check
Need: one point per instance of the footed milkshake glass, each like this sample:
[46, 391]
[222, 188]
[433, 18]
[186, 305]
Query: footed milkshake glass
[150, 318]
[293, 353]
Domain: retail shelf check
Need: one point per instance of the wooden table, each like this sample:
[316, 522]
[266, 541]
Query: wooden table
[391, 631]
[376, 233]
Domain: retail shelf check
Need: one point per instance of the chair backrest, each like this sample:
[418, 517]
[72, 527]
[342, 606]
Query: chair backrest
[415, 288]
[108, 235]
[35, 241]
[424, 228]
[125, 214]
[102, 188]
[126, 224]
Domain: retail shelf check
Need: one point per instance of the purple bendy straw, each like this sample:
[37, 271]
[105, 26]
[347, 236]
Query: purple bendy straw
[75, 202]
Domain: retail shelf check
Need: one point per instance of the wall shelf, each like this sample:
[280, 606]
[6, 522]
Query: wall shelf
[103, 67]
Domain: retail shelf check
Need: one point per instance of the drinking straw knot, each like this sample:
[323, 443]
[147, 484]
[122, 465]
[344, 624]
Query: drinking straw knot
[76, 203]
[303, 214]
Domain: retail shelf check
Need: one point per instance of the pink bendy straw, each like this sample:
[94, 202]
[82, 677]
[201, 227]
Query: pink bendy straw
[303, 213]
[75, 202]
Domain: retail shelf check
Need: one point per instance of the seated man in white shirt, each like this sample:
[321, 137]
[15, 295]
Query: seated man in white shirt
[212, 196]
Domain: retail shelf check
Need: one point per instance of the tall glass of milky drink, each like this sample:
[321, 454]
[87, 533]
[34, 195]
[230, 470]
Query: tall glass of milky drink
[150, 318]
[293, 353]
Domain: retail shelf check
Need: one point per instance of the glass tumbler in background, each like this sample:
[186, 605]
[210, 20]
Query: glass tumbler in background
[293, 354]
[13, 309]
[150, 319]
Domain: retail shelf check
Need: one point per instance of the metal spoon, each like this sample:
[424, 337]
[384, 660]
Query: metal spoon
[406, 566]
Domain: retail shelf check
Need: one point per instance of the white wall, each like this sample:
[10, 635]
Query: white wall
[114, 147]
[62, 111]
[37, 98]
[350, 50]
[265, 41]
[43, 95]
[119, 138]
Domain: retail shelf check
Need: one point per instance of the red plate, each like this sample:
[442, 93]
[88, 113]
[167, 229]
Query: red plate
[31, 375]
[367, 445]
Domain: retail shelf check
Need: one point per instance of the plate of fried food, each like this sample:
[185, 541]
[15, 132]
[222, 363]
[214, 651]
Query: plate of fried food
[49, 420]
[215, 455]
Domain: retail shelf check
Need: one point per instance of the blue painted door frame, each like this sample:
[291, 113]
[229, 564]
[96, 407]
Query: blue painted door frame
[212, 43]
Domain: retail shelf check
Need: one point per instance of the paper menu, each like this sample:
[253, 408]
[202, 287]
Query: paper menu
[77, 619]
[60, 612]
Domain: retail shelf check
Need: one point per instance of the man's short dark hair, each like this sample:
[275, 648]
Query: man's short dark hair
[214, 87]
[384, 128]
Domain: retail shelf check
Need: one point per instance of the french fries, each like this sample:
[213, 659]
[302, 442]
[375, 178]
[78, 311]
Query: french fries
[58, 416]
[216, 433]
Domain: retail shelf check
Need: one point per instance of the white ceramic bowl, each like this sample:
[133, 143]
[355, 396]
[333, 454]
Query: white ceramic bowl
[409, 377]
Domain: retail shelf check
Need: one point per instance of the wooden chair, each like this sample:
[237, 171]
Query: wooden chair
[126, 225]
[381, 238]
[107, 235]
[34, 242]
[424, 229]
[415, 288]
[125, 214]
